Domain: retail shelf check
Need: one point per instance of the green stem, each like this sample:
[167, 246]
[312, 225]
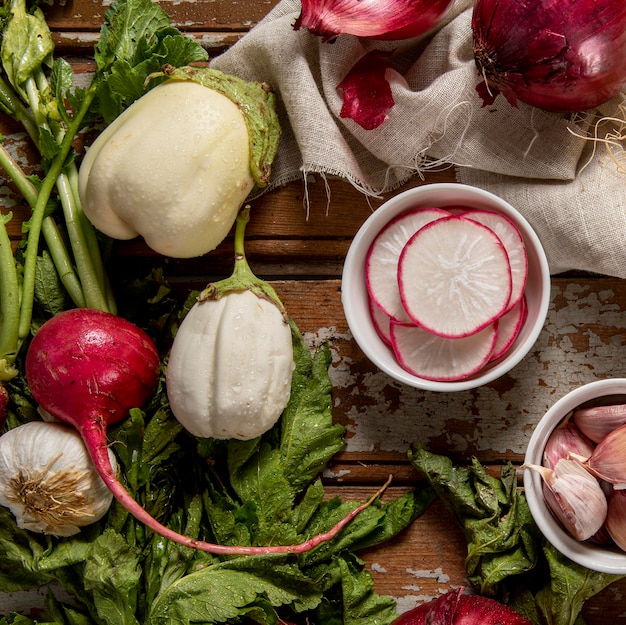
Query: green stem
[54, 240]
[61, 259]
[17, 175]
[9, 304]
[94, 297]
[32, 93]
[12, 105]
[91, 240]
[56, 167]
[242, 277]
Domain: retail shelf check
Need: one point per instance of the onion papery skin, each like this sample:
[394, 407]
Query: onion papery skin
[373, 19]
[558, 55]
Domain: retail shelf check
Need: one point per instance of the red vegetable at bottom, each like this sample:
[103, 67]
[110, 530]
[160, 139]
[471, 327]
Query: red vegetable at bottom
[457, 608]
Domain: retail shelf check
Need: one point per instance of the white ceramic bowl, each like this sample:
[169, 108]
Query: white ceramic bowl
[355, 296]
[595, 557]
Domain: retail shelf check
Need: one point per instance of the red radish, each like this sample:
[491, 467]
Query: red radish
[381, 265]
[88, 368]
[457, 608]
[509, 326]
[514, 245]
[381, 321]
[433, 357]
[454, 277]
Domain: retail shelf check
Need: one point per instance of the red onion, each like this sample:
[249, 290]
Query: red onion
[558, 55]
[375, 19]
[457, 608]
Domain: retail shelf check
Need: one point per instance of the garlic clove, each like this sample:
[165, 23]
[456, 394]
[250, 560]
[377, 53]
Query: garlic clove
[597, 421]
[564, 440]
[574, 496]
[616, 518]
[608, 460]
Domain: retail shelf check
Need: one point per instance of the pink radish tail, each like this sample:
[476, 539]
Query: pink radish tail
[100, 457]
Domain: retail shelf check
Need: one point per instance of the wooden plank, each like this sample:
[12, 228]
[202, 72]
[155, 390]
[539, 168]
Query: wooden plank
[215, 24]
[583, 340]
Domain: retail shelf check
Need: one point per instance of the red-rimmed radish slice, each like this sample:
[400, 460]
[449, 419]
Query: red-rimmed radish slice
[509, 326]
[381, 321]
[454, 277]
[442, 359]
[381, 265]
[514, 245]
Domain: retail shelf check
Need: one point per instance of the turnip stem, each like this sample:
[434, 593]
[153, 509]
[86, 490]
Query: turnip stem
[95, 430]
[242, 277]
[91, 241]
[10, 102]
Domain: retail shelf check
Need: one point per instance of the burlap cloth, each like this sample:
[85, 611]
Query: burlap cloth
[569, 189]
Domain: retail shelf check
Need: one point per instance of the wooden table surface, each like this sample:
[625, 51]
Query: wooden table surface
[301, 248]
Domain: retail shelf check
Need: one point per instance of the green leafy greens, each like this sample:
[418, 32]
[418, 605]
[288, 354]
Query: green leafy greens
[507, 558]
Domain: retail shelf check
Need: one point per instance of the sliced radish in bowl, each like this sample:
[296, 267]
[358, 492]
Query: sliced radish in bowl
[454, 277]
[438, 358]
[381, 266]
[434, 337]
[381, 321]
[513, 243]
[509, 326]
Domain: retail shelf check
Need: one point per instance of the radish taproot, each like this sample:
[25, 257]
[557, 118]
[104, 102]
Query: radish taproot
[88, 369]
[458, 608]
[467, 271]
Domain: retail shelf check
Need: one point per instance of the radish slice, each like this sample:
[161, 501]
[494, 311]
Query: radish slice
[513, 244]
[454, 277]
[509, 326]
[381, 265]
[381, 321]
[441, 359]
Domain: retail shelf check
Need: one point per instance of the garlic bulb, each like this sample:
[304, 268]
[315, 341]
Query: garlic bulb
[48, 480]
